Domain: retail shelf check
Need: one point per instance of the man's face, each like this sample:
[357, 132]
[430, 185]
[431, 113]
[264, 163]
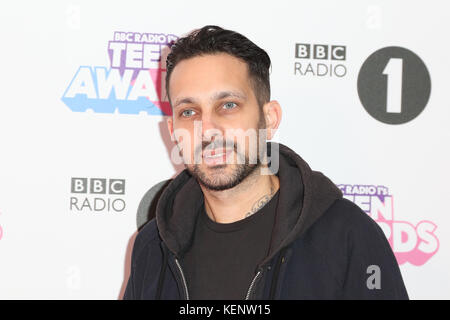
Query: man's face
[215, 120]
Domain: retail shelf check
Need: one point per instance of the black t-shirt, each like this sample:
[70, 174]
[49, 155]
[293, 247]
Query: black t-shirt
[222, 260]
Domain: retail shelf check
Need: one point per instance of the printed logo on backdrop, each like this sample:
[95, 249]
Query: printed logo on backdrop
[97, 195]
[394, 85]
[133, 82]
[411, 242]
[320, 60]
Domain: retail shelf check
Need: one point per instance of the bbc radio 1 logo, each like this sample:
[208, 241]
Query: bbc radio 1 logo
[97, 195]
[394, 85]
[320, 60]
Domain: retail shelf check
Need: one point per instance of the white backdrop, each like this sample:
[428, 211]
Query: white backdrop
[59, 242]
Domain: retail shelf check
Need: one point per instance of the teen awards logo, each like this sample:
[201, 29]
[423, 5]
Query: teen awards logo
[394, 85]
[320, 60]
[411, 243]
[134, 82]
[97, 195]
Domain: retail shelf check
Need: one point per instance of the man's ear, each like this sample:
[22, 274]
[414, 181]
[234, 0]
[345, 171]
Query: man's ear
[169, 122]
[272, 115]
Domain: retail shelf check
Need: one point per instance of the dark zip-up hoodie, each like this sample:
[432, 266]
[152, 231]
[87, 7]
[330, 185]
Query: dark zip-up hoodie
[322, 245]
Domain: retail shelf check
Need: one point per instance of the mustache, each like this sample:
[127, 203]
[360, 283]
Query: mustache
[211, 145]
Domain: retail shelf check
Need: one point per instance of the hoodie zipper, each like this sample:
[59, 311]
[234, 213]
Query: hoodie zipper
[252, 285]
[276, 274]
[186, 289]
[182, 278]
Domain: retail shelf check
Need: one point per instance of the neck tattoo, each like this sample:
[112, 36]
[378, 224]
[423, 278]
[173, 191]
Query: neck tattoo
[261, 202]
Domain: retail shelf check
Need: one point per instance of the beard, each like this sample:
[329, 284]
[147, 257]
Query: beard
[226, 176]
[220, 179]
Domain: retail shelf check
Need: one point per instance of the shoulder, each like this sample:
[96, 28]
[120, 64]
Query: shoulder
[357, 244]
[345, 216]
[146, 237]
[345, 229]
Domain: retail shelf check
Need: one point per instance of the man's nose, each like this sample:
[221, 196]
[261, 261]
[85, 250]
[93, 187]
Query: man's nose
[211, 127]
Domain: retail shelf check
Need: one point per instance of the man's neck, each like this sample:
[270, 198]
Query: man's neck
[243, 200]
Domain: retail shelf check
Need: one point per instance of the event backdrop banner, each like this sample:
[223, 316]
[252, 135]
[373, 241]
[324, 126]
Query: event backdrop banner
[363, 87]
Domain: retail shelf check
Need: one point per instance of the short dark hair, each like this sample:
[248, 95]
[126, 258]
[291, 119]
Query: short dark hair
[213, 39]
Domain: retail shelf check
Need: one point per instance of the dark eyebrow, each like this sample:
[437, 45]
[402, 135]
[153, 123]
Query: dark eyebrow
[225, 94]
[183, 100]
[216, 96]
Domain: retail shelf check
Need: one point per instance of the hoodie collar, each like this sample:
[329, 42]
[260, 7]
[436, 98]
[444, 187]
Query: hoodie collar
[304, 196]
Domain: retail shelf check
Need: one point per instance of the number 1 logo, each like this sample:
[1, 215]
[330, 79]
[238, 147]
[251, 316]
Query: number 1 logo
[394, 71]
[394, 85]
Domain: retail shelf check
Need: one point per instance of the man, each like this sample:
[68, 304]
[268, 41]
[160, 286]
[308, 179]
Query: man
[244, 221]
